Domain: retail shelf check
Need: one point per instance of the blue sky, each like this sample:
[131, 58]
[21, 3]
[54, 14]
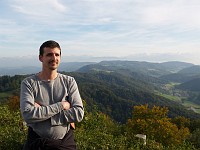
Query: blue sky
[114, 28]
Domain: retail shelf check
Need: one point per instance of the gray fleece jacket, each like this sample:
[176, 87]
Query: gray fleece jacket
[50, 120]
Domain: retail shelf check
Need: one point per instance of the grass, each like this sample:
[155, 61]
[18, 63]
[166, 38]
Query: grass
[186, 103]
[171, 97]
[4, 96]
[189, 104]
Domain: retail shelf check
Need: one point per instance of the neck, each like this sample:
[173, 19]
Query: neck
[51, 75]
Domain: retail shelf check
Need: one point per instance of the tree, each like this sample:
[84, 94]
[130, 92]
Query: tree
[181, 121]
[12, 131]
[99, 131]
[154, 123]
[195, 138]
[14, 103]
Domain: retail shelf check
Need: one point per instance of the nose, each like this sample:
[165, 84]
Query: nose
[54, 57]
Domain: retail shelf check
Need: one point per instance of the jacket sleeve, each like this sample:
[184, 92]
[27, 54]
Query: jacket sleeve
[30, 113]
[76, 112]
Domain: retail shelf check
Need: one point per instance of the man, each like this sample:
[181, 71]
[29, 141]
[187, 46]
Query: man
[49, 102]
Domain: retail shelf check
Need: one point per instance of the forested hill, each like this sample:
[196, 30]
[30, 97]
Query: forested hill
[116, 95]
[192, 85]
[117, 86]
[184, 75]
[114, 87]
[151, 69]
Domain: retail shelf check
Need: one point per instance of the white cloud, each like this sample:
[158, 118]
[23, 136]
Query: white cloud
[103, 27]
[39, 10]
[181, 13]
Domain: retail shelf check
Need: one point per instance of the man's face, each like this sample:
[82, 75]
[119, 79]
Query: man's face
[50, 58]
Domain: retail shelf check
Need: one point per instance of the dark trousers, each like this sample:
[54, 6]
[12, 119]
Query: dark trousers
[35, 142]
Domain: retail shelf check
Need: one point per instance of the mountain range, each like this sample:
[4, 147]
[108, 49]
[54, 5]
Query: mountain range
[114, 87]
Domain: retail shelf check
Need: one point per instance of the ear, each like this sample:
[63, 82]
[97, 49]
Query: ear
[40, 58]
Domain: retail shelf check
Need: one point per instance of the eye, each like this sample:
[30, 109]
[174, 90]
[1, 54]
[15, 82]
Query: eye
[57, 54]
[49, 54]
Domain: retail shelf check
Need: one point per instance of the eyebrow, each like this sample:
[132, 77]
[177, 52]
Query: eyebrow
[57, 54]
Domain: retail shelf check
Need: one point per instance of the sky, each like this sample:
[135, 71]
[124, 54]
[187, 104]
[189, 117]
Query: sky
[156, 29]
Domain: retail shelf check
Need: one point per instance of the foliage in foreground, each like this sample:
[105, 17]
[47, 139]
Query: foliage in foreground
[12, 133]
[156, 125]
[96, 131]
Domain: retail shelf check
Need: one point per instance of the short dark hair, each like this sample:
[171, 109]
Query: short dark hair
[49, 44]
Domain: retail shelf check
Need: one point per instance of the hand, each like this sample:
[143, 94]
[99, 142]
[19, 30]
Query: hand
[66, 105]
[36, 104]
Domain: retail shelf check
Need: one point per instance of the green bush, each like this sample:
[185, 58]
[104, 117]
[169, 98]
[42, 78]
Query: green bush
[195, 138]
[12, 131]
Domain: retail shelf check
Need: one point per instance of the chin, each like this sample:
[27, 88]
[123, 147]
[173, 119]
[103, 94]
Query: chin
[53, 68]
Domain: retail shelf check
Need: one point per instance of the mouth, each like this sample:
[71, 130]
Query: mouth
[53, 63]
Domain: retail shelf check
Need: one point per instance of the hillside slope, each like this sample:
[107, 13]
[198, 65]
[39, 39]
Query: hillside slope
[116, 95]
